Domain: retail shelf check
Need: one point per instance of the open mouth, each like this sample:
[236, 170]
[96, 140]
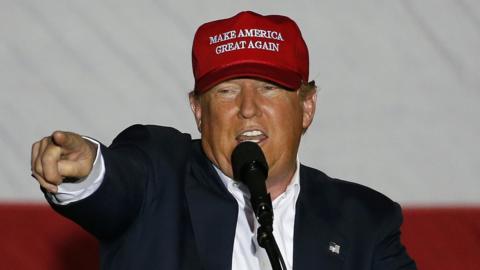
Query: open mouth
[255, 135]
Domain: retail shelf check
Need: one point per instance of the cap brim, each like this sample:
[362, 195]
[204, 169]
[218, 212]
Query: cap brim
[283, 77]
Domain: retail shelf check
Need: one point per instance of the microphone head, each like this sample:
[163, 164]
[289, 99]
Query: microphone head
[245, 156]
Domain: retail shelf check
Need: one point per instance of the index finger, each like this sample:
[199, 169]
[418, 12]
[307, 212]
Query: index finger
[67, 140]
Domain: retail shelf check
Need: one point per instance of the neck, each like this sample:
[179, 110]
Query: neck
[277, 185]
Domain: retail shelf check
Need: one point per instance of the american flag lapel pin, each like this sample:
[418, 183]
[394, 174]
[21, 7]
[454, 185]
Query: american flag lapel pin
[334, 248]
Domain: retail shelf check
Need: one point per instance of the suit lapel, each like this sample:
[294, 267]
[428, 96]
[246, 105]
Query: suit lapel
[213, 212]
[317, 245]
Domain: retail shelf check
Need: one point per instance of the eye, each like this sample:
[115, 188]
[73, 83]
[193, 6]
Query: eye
[270, 89]
[226, 91]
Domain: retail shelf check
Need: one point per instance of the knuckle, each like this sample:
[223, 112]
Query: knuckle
[38, 168]
[46, 142]
[41, 144]
[51, 176]
[47, 159]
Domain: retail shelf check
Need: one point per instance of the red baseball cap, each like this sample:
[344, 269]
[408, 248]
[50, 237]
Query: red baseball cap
[249, 45]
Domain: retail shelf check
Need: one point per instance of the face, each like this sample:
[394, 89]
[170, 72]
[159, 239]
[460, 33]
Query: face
[253, 110]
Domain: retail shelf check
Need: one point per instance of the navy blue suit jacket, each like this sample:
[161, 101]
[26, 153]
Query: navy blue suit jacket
[162, 206]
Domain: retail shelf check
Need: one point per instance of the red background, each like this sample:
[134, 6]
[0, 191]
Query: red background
[35, 237]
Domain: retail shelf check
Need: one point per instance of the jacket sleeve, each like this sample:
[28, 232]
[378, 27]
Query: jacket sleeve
[389, 253]
[114, 205]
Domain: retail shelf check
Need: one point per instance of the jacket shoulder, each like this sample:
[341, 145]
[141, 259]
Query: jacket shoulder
[367, 221]
[162, 149]
[351, 201]
[147, 133]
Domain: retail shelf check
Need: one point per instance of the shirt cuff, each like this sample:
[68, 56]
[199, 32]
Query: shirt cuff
[84, 187]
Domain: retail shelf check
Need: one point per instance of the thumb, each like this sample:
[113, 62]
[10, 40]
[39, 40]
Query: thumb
[76, 169]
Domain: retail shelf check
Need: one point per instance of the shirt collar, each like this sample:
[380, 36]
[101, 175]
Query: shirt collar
[232, 185]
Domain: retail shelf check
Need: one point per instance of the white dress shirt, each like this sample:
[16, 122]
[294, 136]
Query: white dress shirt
[247, 254]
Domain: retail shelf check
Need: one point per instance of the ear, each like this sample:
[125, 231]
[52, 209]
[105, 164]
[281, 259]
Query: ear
[309, 104]
[196, 109]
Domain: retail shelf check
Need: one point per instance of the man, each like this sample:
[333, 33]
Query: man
[156, 199]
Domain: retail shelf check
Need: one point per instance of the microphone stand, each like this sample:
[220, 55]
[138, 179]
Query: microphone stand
[250, 167]
[265, 238]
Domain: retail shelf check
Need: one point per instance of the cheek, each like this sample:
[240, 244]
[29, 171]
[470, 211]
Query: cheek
[287, 133]
[217, 116]
[287, 117]
[217, 121]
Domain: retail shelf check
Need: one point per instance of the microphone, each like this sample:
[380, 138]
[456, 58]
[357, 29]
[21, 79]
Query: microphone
[250, 167]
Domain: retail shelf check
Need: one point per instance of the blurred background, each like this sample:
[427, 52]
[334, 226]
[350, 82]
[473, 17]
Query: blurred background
[398, 106]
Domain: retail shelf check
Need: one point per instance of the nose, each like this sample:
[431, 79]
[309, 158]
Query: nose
[249, 103]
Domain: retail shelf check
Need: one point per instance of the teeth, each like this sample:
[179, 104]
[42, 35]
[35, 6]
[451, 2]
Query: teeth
[255, 141]
[252, 133]
[255, 136]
